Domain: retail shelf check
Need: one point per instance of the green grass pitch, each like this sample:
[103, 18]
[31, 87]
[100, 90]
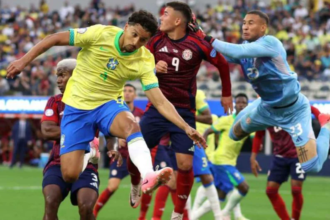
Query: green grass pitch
[21, 198]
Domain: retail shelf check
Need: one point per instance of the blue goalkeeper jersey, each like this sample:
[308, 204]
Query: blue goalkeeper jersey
[265, 66]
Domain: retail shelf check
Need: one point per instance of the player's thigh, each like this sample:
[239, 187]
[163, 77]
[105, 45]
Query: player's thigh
[200, 163]
[87, 179]
[86, 198]
[279, 170]
[172, 157]
[55, 189]
[153, 127]
[115, 119]
[296, 172]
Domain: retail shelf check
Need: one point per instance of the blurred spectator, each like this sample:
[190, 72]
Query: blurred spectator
[4, 86]
[21, 137]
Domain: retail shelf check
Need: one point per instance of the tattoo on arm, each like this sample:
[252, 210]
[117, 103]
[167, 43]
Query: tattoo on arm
[302, 154]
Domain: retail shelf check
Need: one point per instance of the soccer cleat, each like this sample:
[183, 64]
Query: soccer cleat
[176, 216]
[94, 145]
[154, 179]
[135, 195]
[241, 218]
[324, 119]
[226, 217]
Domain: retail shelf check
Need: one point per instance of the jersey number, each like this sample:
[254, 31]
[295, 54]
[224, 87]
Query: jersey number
[176, 62]
[204, 161]
[299, 171]
[94, 178]
[296, 130]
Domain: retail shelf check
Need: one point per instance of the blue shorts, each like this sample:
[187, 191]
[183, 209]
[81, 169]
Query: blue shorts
[281, 168]
[295, 119]
[154, 126]
[226, 177]
[200, 162]
[87, 179]
[78, 127]
[162, 158]
[118, 172]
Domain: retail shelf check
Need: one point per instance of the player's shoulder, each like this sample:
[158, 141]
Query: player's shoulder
[200, 95]
[55, 98]
[145, 54]
[270, 40]
[197, 39]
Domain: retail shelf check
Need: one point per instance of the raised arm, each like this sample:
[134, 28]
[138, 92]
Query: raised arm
[58, 39]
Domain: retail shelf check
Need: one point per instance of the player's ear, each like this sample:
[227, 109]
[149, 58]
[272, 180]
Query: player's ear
[126, 26]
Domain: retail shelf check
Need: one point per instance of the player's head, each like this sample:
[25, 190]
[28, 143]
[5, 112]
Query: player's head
[255, 25]
[141, 26]
[176, 14]
[129, 93]
[241, 101]
[64, 71]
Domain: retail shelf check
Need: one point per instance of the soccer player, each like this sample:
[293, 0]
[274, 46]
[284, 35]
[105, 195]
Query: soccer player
[84, 191]
[178, 53]
[109, 57]
[285, 163]
[224, 161]
[263, 60]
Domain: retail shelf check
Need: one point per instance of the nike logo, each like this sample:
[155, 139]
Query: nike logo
[145, 182]
[103, 49]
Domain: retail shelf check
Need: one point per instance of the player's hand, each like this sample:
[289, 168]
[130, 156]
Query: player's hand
[122, 143]
[227, 104]
[161, 67]
[115, 156]
[255, 167]
[196, 137]
[15, 68]
[194, 26]
[209, 39]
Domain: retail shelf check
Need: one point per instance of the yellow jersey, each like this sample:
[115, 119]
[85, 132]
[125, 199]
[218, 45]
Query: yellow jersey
[102, 69]
[201, 105]
[228, 149]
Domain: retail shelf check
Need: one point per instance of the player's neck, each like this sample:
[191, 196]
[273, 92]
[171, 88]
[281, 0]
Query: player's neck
[176, 34]
[130, 106]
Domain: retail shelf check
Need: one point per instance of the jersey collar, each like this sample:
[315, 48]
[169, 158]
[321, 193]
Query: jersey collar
[118, 35]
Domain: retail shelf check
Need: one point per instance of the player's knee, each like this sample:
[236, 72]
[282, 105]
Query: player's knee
[243, 188]
[131, 127]
[52, 202]
[206, 179]
[86, 207]
[271, 191]
[184, 164]
[112, 188]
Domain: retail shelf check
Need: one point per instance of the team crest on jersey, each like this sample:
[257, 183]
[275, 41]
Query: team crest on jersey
[112, 64]
[187, 54]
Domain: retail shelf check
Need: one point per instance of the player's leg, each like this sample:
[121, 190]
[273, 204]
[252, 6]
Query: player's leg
[116, 174]
[84, 193]
[54, 191]
[122, 124]
[278, 173]
[202, 170]
[238, 180]
[297, 179]
[311, 153]
[250, 119]
[77, 130]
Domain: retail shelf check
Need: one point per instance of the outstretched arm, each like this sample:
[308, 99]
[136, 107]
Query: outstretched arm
[249, 50]
[58, 39]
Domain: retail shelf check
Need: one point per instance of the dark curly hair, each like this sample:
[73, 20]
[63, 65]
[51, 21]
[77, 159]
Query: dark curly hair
[145, 19]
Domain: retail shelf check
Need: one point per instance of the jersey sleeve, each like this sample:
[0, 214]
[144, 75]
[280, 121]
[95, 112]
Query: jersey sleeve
[148, 78]
[50, 112]
[257, 141]
[84, 37]
[265, 47]
[201, 104]
[219, 125]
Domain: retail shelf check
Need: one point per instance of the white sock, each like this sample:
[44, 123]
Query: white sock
[212, 195]
[188, 206]
[234, 198]
[199, 198]
[237, 211]
[140, 156]
[202, 210]
[87, 156]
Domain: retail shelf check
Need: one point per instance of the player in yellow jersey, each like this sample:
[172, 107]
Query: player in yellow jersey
[201, 165]
[223, 164]
[109, 57]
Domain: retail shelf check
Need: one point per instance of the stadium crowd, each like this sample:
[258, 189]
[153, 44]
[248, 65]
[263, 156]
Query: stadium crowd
[303, 28]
